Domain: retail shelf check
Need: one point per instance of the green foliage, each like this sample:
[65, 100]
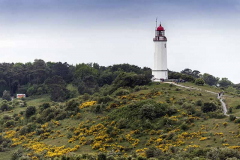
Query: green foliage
[4, 106]
[36, 90]
[101, 156]
[130, 80]
[238, 106]
[148, 111]
[57, 88]
[224, 82]
[104, 99]
[83, 70]
[210, 79]
[209, 107]
[121, 92]
[199, 82]
[31, 110]
[5, 144]
[237, 120]
[6, 95]
[184, 127]
[72, 105]
[138, 88]
[199, 102]
[189, 107]
[232, 117]
[9, 123]
[231, 89]
[153, 152]
[17, 154]
[44, 106]
[141, 114]
[222, 153]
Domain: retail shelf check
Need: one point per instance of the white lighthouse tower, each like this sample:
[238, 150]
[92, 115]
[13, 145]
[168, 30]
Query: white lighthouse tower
[160, 70]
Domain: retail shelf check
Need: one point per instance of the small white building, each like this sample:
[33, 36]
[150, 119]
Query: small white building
[21, 96]
[160, 70]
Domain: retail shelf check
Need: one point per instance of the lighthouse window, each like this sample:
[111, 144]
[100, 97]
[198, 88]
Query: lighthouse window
[165, 46]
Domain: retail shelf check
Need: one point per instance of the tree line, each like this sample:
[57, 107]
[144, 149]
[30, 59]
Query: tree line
[191, 75]
[40, 77]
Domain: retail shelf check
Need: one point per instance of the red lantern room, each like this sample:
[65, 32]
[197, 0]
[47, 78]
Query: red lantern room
[160, 28]
[160, 34]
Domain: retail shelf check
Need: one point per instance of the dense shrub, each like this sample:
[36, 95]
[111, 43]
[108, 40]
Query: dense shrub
[121, 92]
[9, 123]
[44, 106]
[138, 88]
[23, 130]
[209, 107]
[31, 110]
[17, 154]
[5, 144]
[153, 152]
[4, 107]
[122, 123]
[199, 102]
[61, 115]
[6, 117]
[141, 114]
[36, 90]
[199, 82]
[184, 127]
[104, 99]
[171, 110]
[218, 115]
[222, 153]
[189, 107]
[101, 156]
[97, 108]
[238, 106]
[6, 96]
[237, 120]
[148, 111]
[232, 117]
[72, 105]
[130, 80]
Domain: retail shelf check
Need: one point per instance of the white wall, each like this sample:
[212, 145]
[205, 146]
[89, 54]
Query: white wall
[160, 60]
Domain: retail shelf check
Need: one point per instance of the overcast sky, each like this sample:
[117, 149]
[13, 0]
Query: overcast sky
[202, 34]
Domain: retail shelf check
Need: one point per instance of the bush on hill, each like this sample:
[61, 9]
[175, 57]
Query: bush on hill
[31, 110]
[4, 106]
[130, 80]
[141, 114]
[209, 107]
[199, 82]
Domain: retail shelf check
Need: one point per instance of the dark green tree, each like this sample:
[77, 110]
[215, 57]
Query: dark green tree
[210, 79]
[31, 110]
[57, 88]
[6, 95]
[224, 82]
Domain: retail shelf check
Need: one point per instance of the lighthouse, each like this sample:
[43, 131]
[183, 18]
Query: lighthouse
[160, 70]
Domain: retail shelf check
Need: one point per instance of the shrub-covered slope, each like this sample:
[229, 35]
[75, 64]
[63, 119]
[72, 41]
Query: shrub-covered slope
[157, 120]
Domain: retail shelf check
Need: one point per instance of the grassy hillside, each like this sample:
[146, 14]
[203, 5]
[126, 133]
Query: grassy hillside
[158, 120]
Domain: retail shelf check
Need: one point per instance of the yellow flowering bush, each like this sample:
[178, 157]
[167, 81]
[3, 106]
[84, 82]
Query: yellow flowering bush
[87, 104]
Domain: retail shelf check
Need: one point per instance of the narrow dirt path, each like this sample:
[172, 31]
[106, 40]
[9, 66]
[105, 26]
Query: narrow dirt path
[219, 97]
[223, 105]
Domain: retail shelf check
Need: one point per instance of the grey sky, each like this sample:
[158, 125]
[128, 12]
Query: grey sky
[202, 35]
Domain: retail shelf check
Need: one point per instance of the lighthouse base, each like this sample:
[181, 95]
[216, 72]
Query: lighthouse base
[159, 75]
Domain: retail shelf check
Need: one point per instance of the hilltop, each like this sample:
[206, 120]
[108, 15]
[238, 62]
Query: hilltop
[131, 117]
